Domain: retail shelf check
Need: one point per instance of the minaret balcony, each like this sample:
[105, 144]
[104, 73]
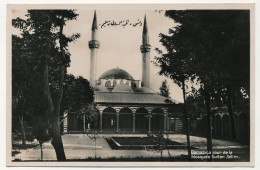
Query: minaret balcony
[93, 44]
[145, 48]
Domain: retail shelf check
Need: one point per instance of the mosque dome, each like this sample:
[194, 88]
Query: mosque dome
[122, 88]
[116, 73]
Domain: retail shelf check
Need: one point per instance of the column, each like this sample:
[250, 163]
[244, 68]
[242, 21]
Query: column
[165, 121]
[169, 121]
[133, 122]
[65, 122]
[101, 120]
[149, 120]
[173, 125]
[84, 122]
[117, 120]
[133, 111]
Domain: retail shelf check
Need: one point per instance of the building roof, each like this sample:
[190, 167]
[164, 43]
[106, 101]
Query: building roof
[133, 98]
[116, 73]
[101, 88]
[122, 88]
[144, 90]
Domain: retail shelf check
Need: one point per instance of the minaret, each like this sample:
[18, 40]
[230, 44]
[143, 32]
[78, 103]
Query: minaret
[145, 49]
[93, 46]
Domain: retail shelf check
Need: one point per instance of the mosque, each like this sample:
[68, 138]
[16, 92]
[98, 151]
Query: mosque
[126, 105]
[123, 103]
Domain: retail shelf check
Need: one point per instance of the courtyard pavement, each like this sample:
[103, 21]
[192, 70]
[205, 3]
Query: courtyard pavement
[82, 146]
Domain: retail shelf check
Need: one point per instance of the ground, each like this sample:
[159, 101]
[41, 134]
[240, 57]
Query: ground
[84, 147]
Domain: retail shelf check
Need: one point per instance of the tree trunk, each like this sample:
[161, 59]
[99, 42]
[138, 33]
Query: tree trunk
[54, 115]
[41, 150]
[231, 114]
[57, 142]
[23, 131]
[209, 124]
[56, 134]
[186, 121]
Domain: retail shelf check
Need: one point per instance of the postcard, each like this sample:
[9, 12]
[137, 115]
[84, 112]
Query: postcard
[129, 84]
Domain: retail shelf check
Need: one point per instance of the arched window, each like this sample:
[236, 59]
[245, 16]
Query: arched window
[157, 120]
[114, 83]
[109, 119]
[108, 83]
[141, 120]
[126, 119]
[133, 84]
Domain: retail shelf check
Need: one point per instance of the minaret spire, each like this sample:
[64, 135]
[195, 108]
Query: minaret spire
[94, 24]
[145, 50]
[145, 32]
[93, 46]
[145, 29]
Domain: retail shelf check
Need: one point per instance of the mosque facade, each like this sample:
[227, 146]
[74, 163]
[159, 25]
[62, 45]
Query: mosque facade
[123, 103]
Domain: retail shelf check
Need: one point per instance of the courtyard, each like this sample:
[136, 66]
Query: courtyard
[91, 147]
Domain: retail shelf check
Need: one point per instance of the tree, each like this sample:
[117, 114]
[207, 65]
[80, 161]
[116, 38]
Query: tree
[17, 92]
[164, 89]
[43, 29]
[77, 93]
[195, 104]
[25, 86]
[78, 97]
[209, 42]
[175, 67]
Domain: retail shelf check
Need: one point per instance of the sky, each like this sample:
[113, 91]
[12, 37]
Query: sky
[119, 44]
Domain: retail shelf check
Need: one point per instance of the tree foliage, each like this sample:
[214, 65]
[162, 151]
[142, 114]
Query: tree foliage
[164, 89]
[43, 54]
[78, 98]
[208, 43]
[211, 46]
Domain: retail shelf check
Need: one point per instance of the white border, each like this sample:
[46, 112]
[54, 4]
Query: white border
[3, 67]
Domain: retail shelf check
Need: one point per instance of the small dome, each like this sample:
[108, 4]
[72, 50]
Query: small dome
[144, 90]
[122, 88]
[100, 88]
[116, 73]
